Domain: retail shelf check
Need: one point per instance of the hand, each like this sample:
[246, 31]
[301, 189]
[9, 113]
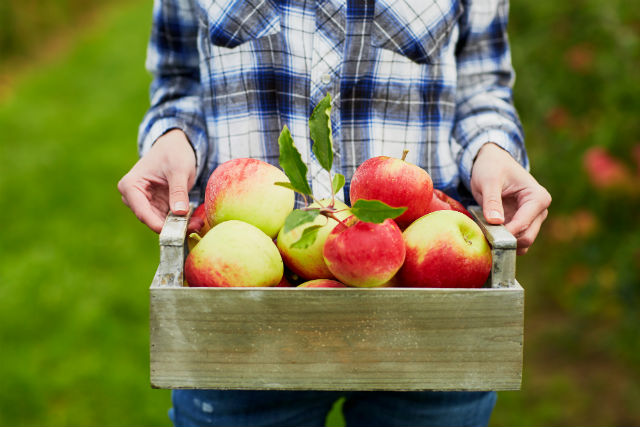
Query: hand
[509, 195]
[161, 179]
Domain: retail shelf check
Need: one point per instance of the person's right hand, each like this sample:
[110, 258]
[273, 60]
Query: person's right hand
[160, 181]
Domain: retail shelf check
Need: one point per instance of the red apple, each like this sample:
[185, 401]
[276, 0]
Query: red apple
[322, 283]
[442, 202]
[243, 189]
[284, 283]
[605, 171]
[234, 253]
[198, 213]
[445, 249]
[364, 254]
[396, 183]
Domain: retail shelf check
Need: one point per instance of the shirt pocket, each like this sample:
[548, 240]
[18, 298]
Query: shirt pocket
[416, 29]
[233, 22]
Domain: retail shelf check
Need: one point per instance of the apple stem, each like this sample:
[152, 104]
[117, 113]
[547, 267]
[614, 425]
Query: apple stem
[306, 201]
[404, 154]
[330, 213]
[333, 196]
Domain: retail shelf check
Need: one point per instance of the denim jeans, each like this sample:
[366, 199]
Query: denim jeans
[310, 408]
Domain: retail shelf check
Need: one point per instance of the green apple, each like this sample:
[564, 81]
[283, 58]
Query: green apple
[243, 189]
[234, 253]
[309, 262]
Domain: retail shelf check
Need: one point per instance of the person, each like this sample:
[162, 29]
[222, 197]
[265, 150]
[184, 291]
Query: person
[434, 77]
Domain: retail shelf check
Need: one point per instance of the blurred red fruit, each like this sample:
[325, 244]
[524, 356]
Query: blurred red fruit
[604, 171]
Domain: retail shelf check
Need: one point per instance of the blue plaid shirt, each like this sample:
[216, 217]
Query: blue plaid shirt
[430, 76]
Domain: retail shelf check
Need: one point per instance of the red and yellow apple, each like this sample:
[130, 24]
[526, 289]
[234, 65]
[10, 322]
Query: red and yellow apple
[322, 283]
[364, 254]
[396, 183]
[308, 262]
[443, 202]
[445, 249]
[198, 213]
[234, 253]
[243, 189]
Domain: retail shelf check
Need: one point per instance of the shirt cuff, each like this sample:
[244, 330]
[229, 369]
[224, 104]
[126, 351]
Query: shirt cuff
[496, 136]
[160, 126]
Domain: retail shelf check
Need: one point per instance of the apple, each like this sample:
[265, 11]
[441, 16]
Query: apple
[445, 249]
[605, 171]
[364, 254]
[308, 262]
[243, 189]
[396, 183]
[284, 282]
[198, 213]
[234, 253]
[322, 283]
[442, 201]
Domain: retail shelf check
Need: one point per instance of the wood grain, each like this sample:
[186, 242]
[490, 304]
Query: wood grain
[335, 339]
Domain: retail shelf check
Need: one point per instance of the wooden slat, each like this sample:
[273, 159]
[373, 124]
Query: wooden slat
[337, 339]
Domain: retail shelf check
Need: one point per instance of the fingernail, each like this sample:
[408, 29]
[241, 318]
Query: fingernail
[494, 215]
[179, 206]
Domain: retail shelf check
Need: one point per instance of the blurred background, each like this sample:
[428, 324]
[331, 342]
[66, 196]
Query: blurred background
[75, 264]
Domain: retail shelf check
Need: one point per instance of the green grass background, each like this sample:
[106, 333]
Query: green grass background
[75, 264]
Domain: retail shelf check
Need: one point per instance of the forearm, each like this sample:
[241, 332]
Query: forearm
[173, 61]
[484, 105]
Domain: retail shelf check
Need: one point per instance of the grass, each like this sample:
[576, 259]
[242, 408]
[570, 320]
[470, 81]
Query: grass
[75, 264]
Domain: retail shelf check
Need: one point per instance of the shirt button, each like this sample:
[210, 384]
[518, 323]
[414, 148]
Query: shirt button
[325, 78]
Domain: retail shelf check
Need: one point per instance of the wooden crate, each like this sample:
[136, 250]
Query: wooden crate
[336, 339]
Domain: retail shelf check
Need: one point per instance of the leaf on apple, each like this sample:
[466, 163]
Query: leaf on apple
[338, 182]
[308, 237]
[320, 130]
[285, 185]
[375, 211]
[299, 217]
[292, 164]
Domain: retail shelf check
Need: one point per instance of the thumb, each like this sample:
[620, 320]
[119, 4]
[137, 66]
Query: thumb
[492, 202]
[178, 193]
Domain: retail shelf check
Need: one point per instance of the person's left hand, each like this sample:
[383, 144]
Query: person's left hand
[509, 195]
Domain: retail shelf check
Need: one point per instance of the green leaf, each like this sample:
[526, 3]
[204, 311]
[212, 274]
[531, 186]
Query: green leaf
[292, 164]
[285, 185]
[299, 217]
[320, 130]
[308, 237]
[375, 211]
[338, 182]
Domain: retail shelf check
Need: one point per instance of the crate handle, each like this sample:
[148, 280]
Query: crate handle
[170, 273]
[503, 250]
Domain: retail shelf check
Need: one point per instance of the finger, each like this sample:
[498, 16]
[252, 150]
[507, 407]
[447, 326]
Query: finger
[179, 193]
[528, 212]
[527, 237]
[140, 206]
[492, 202]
